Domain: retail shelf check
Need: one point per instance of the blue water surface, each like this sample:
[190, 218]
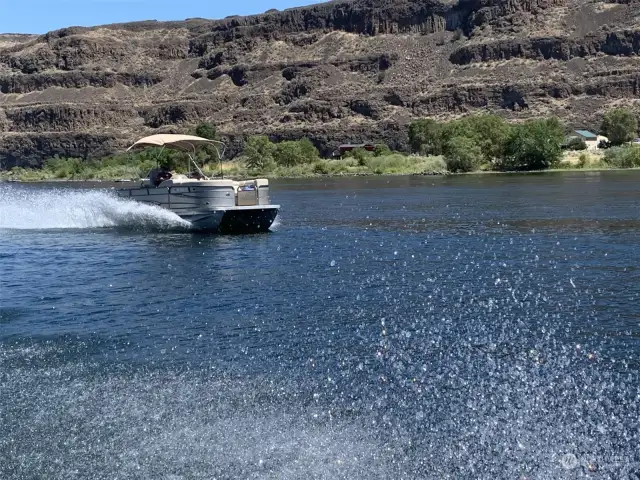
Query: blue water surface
[460, 327]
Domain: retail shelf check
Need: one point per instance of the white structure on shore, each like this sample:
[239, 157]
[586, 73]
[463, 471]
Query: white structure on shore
[591, 139]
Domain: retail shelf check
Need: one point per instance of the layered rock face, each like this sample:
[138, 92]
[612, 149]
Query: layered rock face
[342, 71]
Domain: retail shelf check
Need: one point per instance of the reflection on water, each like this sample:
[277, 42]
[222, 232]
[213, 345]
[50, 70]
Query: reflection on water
[414, 327]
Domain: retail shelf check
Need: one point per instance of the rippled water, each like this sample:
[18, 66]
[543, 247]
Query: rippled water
[465, 327]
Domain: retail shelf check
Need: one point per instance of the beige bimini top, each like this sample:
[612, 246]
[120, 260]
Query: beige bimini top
[184, 143]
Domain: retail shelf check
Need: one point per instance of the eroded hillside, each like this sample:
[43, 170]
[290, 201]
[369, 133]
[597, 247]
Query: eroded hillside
[335, 72]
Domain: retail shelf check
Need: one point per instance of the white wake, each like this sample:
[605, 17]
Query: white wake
[36, 209]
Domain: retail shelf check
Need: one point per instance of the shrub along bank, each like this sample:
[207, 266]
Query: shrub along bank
[472, 143]
[261, 157]
[488, 142]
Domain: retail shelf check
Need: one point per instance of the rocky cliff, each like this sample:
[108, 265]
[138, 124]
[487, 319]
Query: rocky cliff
[339, 71]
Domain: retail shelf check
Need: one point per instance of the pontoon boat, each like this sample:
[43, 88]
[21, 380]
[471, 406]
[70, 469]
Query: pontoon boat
[217, 205]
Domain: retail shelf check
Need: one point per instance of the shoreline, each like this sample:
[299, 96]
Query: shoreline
[298, 163]
[337, 175]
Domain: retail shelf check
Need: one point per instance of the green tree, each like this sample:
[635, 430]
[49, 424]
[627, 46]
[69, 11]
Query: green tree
[361, 155]
[308, 150]
[289, 154]
[463, 155]
[292, 153]
[535, 145]
[381, 150]
[206, 130]
[259, 153]
[426, 136]
[576, 144]
[164, 157]
[623, 157]
[490, 133]
[620, 126]
[206, 153]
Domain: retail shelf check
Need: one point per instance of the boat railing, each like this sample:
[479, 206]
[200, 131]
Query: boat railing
[218, 152]
[200, 172]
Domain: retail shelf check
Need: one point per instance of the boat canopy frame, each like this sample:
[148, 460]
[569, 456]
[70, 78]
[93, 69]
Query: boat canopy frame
[181, 143]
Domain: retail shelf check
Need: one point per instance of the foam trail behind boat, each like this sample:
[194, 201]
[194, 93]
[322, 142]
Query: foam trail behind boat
[40, 209]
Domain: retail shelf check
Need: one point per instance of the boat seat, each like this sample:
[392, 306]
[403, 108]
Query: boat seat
[247, 194]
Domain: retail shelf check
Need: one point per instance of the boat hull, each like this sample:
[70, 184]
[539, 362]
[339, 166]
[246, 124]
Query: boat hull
[252, 220]
[234, 221]
[207, 209]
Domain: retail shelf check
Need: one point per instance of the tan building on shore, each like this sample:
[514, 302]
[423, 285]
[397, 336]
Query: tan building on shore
[591, 139]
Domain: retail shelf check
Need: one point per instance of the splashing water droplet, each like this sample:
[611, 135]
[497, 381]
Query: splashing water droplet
[24, 209]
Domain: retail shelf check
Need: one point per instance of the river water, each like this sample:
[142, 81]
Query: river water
[471, 327]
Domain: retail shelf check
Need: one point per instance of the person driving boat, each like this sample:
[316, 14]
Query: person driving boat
[159, 175]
